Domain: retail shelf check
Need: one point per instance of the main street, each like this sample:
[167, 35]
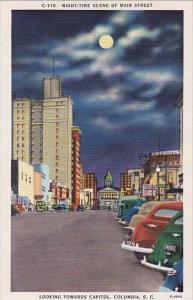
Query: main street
[75, 252]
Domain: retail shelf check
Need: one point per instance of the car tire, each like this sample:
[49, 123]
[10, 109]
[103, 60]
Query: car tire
[139, 256]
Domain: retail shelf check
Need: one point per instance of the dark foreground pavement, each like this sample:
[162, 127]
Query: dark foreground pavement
[75, 252]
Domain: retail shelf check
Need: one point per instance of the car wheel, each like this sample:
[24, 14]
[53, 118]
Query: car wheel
[139, 256]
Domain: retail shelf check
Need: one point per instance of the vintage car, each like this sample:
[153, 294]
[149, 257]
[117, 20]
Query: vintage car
[143, 212]
[147, 231]
[131, 212]
[128, 202]
[14, 210]
[174, 279]
[169, 246]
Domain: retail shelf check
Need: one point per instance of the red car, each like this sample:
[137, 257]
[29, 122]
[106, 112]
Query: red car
[146, 233]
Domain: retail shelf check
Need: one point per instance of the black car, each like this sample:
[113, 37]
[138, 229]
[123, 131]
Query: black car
[80, 208]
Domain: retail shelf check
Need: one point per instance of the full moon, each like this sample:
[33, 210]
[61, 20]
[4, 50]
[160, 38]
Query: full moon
[106, 41]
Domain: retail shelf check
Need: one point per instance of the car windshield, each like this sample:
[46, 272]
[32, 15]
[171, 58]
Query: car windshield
[168, 213]
[179, 221]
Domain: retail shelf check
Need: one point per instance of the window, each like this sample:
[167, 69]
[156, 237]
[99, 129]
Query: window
[26, 177]
[18, 112]
[168, 213]
[57, 124]
[57, 116]
[56, 144]
[17, 104]
[57, 130]
[22, 145]
[56, 157]
[22, 131]
[56, 136]
[22, 138]
[17, 125]
[17, 139]
[17, 131]
[23, 105]
[17, 145]
[179, 221]
[22, 158]
[29, 179]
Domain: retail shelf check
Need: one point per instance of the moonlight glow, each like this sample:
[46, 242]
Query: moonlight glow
[106, 41]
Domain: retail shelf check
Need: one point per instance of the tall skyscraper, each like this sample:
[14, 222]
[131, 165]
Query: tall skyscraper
[42, 131]
[57, 132]
[76, 166]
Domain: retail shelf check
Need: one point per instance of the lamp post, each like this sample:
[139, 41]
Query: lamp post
[158, 171]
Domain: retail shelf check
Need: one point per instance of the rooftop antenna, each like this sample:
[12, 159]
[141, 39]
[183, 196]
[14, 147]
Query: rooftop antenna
[53, 67]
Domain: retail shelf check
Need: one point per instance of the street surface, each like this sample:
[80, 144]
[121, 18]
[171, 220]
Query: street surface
[75, 252]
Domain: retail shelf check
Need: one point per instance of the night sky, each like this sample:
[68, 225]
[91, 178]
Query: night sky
[123, 96]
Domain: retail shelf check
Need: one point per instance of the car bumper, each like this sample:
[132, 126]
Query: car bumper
[135, 248]
[122, 222]
[158, 267]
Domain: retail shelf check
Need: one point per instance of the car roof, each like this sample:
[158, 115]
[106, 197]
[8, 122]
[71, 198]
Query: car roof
[168, 205]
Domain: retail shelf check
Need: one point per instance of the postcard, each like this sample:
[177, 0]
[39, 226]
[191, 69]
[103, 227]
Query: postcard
[96, 149]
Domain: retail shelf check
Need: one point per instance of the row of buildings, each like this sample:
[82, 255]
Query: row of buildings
[44, 137]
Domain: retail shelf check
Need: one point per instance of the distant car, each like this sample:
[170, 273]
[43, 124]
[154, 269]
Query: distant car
[61, 207]
[174, 280]
[14, 210]
[80, 208]
[147, 231]
[169, 246]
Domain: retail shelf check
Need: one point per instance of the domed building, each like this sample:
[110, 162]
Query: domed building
[108, 196]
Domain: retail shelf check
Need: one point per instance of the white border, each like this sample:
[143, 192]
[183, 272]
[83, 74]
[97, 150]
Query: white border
[5, 134]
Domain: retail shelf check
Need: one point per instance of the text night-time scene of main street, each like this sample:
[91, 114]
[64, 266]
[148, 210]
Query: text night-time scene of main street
[97, 141]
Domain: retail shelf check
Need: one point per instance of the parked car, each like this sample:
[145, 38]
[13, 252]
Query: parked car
[61, 207]
[128, 202]
[147, 231]
[174, 279]
[41, 206]
[143, 212]
[131, 212]
[14, 210]
[169, 246]
[80, 208]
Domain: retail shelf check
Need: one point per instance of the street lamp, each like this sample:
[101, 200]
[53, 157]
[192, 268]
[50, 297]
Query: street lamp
[158, 171]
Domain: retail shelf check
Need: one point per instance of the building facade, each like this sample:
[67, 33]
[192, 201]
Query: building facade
[22, 180]
[43, 170]
[108, 196]
[179, 104]
[86, 197]
[162, 171]
[76, 166]
[90, 182]
[42, 131]
[131, 182]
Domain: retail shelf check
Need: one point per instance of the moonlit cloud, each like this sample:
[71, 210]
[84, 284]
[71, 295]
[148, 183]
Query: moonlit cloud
[133, 36]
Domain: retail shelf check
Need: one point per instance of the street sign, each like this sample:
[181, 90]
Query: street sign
[149, 190]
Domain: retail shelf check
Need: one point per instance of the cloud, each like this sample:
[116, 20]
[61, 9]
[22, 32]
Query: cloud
[158, 76]
[134, 35]
[106, 124]
[135, 106]
[123, 17]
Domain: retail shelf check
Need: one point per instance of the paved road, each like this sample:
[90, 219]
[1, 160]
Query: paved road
[75, 252]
